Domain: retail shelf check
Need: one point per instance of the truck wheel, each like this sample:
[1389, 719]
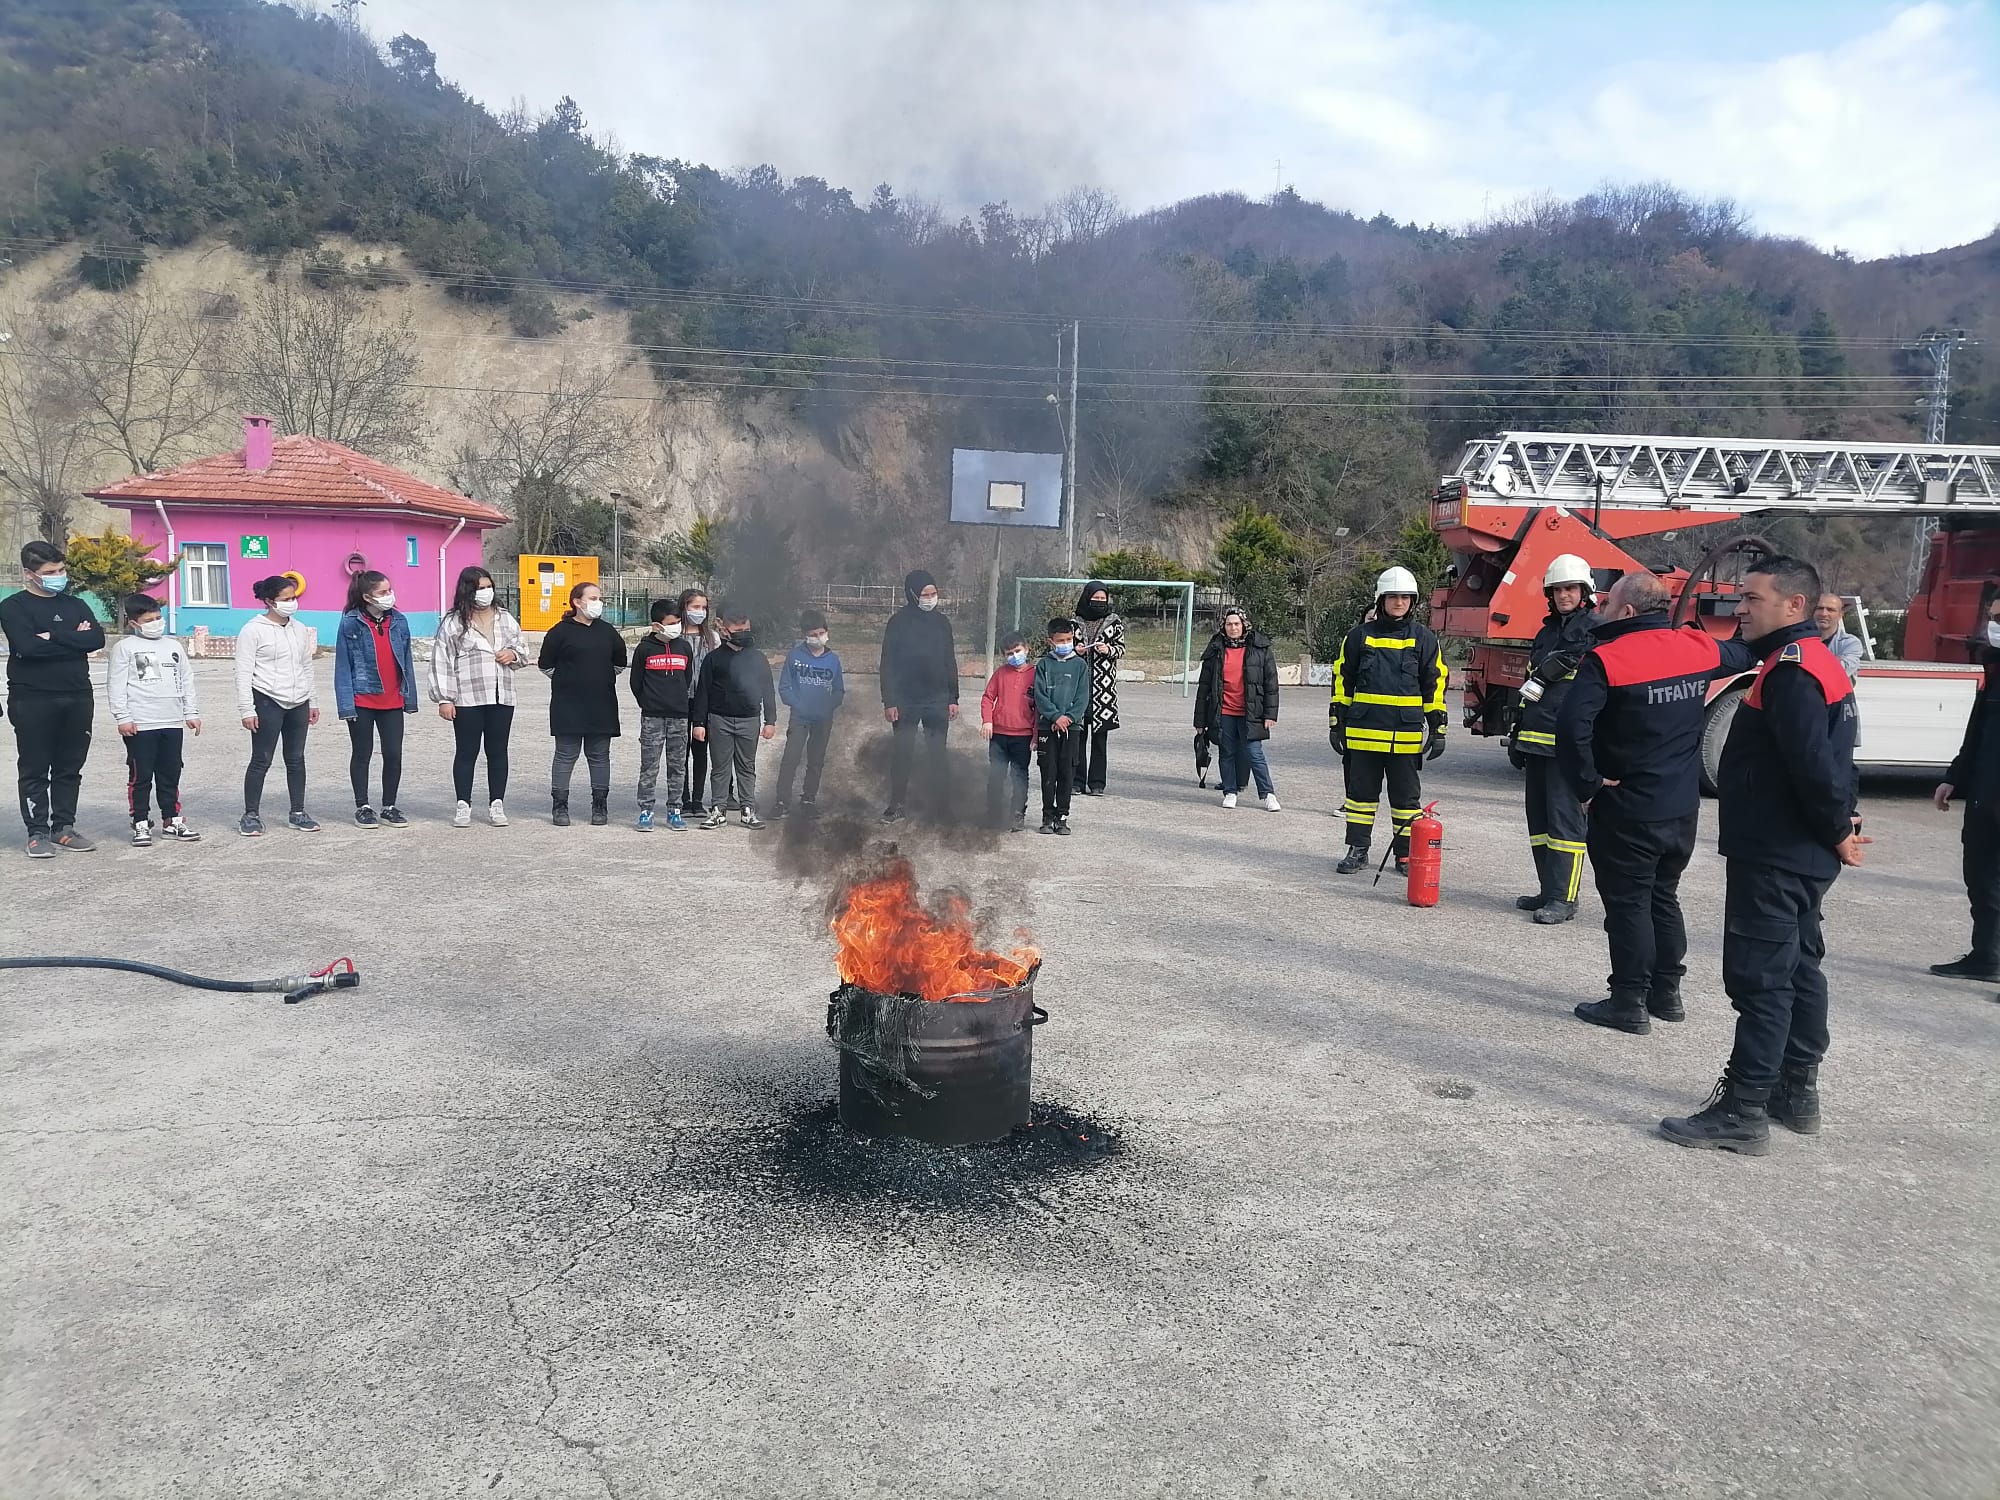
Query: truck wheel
[1715, 734]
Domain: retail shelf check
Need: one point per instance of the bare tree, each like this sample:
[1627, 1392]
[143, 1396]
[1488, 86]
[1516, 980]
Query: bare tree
[45, 440]
[144, 379]
[322, 362]
[1085, 213]
[547, 451]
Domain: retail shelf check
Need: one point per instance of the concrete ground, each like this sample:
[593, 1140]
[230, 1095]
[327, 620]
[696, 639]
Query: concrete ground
[552, 1206]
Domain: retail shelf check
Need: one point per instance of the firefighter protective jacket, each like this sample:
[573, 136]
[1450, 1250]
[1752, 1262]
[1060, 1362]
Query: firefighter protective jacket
[1554, 656]
[1388, 682]
[1634, 715]
[1788, 782]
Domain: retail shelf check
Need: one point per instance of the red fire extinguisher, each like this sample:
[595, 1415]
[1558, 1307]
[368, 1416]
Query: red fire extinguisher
[1426, 857]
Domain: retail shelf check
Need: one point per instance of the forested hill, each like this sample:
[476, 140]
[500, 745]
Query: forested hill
[1304, 359]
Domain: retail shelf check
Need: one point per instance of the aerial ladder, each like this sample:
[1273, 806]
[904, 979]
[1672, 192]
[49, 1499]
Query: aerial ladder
[1515, 500]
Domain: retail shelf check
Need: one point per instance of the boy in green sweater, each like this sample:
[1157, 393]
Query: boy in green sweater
[1061, 694]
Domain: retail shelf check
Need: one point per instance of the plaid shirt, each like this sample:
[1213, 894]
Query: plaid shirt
[464, 670]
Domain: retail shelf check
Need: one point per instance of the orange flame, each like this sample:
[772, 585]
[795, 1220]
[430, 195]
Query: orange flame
[891, 943]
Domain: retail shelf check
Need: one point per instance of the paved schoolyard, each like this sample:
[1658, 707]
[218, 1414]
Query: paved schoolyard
[551, 1207]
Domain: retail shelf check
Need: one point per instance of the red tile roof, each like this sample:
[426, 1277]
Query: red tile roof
[305, 473]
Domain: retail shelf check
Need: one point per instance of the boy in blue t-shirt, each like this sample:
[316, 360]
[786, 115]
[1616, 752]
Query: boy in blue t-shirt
[810, 684]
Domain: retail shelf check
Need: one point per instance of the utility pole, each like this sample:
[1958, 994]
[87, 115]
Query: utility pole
[1936, 402]
[1069, 466]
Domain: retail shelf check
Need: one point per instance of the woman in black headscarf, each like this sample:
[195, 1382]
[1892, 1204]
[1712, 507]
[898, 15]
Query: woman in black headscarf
[1100, 641]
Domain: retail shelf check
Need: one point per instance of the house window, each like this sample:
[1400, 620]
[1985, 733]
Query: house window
[410, 544]
[205, 575]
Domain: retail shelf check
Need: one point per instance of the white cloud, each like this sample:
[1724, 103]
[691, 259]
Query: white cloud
[1369, 104]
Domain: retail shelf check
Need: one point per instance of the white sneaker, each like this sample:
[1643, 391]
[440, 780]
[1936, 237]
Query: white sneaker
[1229, 799]
[1271, 802]
[496, 813]
[461, 815]
[142, 835]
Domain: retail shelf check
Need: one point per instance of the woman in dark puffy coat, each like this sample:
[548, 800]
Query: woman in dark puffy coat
[1236, 705]
[1100, 641]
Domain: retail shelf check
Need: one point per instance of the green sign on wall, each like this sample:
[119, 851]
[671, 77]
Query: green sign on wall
[257, 546]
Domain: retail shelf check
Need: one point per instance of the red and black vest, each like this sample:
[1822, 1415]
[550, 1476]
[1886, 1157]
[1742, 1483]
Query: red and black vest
[1787, 781]
[1647, 736]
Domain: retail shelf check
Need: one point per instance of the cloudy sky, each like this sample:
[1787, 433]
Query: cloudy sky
[1864, 124]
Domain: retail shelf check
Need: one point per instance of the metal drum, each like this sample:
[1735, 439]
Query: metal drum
[949, 1072]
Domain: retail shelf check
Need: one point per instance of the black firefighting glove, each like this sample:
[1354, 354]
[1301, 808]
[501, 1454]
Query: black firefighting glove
[1336, 736]
[1515, 757]
[1436, 747]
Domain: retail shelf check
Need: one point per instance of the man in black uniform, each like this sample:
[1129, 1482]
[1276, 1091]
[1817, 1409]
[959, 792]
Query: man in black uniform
[1628, 740]
[1787, 810]
[1975, 776]
[1555, 817]
[1386, 717]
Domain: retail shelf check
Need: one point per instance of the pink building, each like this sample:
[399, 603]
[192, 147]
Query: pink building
[301, 505]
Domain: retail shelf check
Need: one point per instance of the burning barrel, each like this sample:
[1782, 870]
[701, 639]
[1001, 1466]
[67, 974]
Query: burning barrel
[935, 1033]
[950, 1072]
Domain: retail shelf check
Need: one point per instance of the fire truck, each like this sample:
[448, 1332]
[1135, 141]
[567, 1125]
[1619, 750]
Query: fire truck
[1517, 499]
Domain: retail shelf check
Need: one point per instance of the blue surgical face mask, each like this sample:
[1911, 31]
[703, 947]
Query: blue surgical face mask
[1063, 648]
[55, 583]
[1017, 658]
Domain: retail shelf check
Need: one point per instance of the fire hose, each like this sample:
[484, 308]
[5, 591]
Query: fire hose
[338, 975]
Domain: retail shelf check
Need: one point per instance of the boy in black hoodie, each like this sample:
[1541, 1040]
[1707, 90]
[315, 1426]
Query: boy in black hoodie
[662, 669]
[50, 635]
[919, 691]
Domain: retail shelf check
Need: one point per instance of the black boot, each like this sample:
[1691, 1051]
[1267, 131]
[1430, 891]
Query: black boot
[1972, 966]
[1664, 1000]
[1733, 1119]
[560, 817]
[1795, 1101]
[600, 809]
[1618, 1011]
[1355, 859]
[1530, 903]
[1554, 913]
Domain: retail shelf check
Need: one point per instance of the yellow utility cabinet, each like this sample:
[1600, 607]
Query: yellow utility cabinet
[545, 586]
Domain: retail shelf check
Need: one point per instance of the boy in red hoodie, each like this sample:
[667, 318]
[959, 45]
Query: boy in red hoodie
[1007, 720]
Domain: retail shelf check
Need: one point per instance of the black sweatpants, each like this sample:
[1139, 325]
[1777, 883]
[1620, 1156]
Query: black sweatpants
[51, 743]
[276, 722]
[697, 774]
[1982, 878]
[1638, 868]
[488, 725]
[805, 738]
[1771, 951]
[153, 767]
[1556, 828]
[933, 721]
[1058, 770]
[1007, 757]
[1092, 758]
[362, 730]
[1365, 772]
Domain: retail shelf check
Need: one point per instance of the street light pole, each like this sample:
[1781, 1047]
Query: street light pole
[618, 546]
[1069, 437]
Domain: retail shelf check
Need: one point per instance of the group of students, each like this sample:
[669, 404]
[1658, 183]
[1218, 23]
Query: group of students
[707, 700]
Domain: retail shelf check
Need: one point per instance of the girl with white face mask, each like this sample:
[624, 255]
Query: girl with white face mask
[698, 630]
[582, 657]
[375, 689]
[274, 698]
[479, 648]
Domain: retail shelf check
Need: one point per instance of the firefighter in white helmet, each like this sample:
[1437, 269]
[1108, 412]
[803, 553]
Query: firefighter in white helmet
[1387, 716]
[1556, 824]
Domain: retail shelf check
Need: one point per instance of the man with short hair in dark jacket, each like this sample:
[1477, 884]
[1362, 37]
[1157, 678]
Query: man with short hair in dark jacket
[919, 692]
[1975, 776]
[1787, 793]
[1628, 739]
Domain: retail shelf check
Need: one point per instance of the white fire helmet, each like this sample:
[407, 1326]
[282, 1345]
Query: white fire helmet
[1396, 581]
[1569, 568]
